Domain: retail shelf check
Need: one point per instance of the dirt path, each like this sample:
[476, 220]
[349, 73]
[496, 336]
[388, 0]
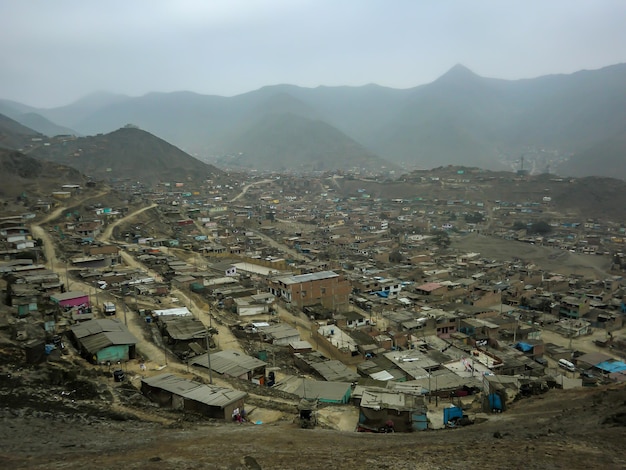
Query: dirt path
[246, 187]
[584, 343]
[108, 231]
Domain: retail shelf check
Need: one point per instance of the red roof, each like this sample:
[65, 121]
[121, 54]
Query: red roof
[429, 286]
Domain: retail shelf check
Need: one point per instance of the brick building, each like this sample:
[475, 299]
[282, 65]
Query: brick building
[325, 288]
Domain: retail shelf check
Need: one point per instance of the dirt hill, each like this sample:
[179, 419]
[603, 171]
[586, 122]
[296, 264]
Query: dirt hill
[24, 175]
[128, 154]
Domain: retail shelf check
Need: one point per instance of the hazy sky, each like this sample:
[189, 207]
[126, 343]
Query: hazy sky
[53, 52]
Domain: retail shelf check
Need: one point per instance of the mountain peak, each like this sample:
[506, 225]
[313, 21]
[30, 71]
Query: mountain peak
[458, 72]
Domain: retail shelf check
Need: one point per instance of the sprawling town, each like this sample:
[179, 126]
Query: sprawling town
[330, 301]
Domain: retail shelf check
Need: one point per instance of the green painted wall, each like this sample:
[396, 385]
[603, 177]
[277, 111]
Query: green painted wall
[113, 354]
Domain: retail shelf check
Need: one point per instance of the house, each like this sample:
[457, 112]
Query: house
[382, 407]
[431, 288]
[102, 341]
[323, 391]
[182, 331]
[335, 371]
[351, 319]
[256, 304]
[234, 364]
[300, 347]
[169, 390]
[280, 334]
[71, 299]
[572, 307]
[325, 288]
[225, 269]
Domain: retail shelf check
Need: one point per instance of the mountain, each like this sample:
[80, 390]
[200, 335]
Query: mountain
[73, 114]
[45, 126]
[289, 142]
[21, 174]
[460, 118]
[605, 158]
[128, 154]
[14, 135]
[30, 117]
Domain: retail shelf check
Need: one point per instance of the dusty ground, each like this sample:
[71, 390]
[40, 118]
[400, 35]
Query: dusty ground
[584, 428]
[550, 259]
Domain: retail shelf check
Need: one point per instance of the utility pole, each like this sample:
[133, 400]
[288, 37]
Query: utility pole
[430, 392]
[208, 355]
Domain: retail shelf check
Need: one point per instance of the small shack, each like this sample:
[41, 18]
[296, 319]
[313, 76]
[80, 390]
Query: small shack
[102, 341]
[71, 299]
[172, 391]
[234, 364]
[382, 410]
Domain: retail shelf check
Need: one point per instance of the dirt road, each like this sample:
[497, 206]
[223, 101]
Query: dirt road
[248, 186]
[108, 231]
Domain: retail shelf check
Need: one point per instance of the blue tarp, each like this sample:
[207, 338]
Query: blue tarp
[612, 366]
[452, 412]
[382, 293]
[524, 347]
[495, 402]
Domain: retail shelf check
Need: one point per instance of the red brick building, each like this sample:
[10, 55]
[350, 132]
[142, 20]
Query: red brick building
[325, 288]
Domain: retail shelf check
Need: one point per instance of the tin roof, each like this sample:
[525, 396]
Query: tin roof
[307, 277]
[95, 335]
[228, 362]
[211, 395]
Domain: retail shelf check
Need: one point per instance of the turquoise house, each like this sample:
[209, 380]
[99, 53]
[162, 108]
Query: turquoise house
[102, 341]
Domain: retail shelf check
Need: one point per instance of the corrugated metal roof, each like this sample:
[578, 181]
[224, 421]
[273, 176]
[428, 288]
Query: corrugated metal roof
[92, 327]
[322, 390]
[308, 277]
[335, 371]
[231, 363]
[210, 395]
[280, 331]
[95, 335]
[185, 328]
[99, 341]
[74, 294]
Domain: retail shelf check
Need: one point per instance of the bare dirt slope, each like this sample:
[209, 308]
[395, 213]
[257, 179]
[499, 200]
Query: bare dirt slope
[547, 258]
[583, 428]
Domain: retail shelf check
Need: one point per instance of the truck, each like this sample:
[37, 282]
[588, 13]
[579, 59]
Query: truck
[109, 308]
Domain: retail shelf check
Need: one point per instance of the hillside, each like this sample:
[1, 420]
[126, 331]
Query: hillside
[24, 175]
[14, 135]
[288, 142]
[29, 117]
[588, 197]
[460, 118]
[605, 158]
[128, 154]
[63, 420]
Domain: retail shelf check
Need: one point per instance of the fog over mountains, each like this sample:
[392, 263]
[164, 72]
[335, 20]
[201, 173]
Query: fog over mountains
[557, 123]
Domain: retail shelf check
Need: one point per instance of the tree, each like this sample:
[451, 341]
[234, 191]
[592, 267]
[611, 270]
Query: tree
[396, 257]
[474, 218]
[540, 228]
[442, 239]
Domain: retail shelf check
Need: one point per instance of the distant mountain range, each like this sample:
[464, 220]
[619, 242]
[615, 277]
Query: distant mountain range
[554, 123]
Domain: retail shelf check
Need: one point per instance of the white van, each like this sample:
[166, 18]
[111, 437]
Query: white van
[109, 308]
[565, 364]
